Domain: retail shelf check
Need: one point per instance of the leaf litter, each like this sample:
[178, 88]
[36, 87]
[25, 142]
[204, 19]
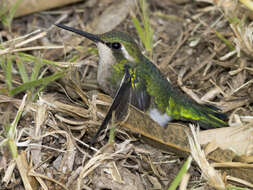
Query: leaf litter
[54, 131]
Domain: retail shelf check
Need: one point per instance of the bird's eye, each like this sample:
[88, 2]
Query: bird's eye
[116, 45]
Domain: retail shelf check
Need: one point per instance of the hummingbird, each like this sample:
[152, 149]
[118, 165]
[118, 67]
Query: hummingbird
[125, 73]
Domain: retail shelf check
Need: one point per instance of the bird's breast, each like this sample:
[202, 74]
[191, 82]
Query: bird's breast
[106, 61]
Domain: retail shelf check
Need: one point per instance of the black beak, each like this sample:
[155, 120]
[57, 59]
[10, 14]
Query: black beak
[92, 37]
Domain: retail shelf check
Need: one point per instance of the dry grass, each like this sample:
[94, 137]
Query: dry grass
[201, 48]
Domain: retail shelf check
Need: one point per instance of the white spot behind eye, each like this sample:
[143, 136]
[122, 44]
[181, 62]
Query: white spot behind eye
[126, 54]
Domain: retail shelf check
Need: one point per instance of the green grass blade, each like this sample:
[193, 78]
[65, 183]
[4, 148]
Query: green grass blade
[147, 27]
[36, 83]
[180, 174]
[28, 57]
[7, 18]
[36, 94]
[13, 10]
[227, 42]
[3, 67]
[12, 130]
[22, 70]
[36, 70]
[139, 29]
[144, 14]
[2, 63]
[8, 73]
[146, 32]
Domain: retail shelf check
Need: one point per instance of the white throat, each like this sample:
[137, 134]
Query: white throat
[106, 60]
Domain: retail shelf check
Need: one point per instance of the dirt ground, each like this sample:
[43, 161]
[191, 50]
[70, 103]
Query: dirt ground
[199, 46]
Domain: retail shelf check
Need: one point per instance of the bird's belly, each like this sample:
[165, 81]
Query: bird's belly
[161, 118]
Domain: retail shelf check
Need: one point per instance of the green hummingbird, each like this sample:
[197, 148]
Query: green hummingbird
[125, 72]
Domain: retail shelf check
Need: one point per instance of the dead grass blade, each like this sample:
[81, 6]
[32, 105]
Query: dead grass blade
[239, 181]
[8, 173]
[29, 182]
[212, 176]
[236, 138]
[58, 106]
[34, 174]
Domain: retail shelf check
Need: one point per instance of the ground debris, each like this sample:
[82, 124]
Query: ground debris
[201, 49]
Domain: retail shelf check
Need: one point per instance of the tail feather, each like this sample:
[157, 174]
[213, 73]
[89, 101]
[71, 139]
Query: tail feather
[212, 117]
[207, 116]
[216, 112]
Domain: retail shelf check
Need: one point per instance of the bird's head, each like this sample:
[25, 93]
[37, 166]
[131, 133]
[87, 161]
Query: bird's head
[115, 44]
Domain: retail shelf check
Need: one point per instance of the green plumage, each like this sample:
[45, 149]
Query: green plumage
[174, 102]
[147, 80]
[149, 88]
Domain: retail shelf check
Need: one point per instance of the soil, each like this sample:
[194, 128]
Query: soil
[188, 51]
